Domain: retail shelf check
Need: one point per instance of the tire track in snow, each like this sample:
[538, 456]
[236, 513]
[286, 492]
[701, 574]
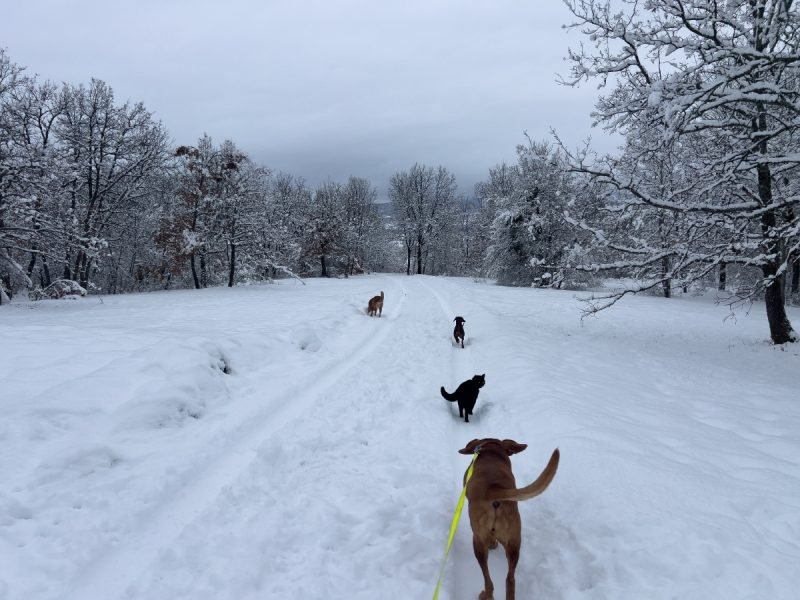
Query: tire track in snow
[112, 575]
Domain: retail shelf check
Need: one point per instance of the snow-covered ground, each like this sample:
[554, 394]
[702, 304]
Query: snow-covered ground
[274, 442]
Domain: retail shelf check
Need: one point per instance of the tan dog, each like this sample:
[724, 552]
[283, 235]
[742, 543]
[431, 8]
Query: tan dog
[493, 495]
[375, 305]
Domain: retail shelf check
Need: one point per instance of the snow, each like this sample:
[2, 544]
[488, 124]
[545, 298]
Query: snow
[273, 441]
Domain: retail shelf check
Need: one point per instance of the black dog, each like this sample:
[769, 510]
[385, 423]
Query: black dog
[466, 395]
[458, 332]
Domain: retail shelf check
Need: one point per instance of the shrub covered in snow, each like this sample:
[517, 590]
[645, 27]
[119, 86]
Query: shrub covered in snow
[61, 288]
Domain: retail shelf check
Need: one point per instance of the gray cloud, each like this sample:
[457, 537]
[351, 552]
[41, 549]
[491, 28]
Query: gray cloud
[325, 89]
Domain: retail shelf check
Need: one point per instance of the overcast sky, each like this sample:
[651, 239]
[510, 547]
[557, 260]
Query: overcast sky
[324, 88]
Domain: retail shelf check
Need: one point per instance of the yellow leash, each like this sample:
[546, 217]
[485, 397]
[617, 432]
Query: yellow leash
[454, 524]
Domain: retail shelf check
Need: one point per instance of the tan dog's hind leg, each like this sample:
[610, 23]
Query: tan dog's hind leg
[482, 555]
[512, 555]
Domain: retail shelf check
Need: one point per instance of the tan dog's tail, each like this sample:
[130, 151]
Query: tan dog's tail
[381, 295]
[532, 490]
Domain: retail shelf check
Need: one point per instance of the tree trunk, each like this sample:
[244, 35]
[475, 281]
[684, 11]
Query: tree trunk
[780, 328]
[5, 284]
[3, 296]
[67, 274]
[194, 274]
[77, 266]
[232, 270]
[796, 276]
[408, 263]
[324, 266]
[203, 270]
[82, 267]
[32, 262]
[419, 258]
[46, 271]
[87, 270]
[666, 283]
[723, 276]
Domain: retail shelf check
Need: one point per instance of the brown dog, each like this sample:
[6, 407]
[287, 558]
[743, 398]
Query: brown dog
[375, 305]
[458, 332]
[493, 495]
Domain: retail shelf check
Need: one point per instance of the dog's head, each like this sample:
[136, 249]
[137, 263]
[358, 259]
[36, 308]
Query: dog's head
[508, 446]
[479, 379]
[460, 320]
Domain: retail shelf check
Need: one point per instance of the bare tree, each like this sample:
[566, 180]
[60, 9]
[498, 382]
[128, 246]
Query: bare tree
[421, 199]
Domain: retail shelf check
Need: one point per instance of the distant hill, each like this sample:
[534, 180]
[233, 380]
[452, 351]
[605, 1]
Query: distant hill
[384, 209]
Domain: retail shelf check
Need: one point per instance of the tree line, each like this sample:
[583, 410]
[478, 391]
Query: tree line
[704, 190]
[92, 191]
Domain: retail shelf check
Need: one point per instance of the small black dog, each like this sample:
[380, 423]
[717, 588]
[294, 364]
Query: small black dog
[458, 332]
[466, 395]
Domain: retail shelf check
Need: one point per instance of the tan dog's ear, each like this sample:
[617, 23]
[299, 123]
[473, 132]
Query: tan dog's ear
[512, 447]
[470, 448]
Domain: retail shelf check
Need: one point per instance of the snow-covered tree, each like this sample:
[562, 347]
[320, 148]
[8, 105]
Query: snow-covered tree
[112, 151]
[287, 202]
[74, 171]
[529, 237]
[465, 245]
[361, 223]
[240, 197]
[490, 193]
[186, 227]
[713, 82]
[326, 228]
[17, 232]
[37, 110]
[218, 213]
